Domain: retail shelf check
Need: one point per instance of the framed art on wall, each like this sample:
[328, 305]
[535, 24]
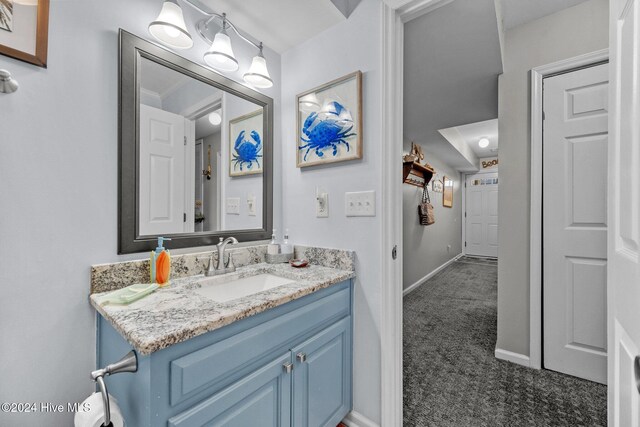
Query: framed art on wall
[329, 122]
[447, 194]
[24, 28]
[245, 144]
[436, 186]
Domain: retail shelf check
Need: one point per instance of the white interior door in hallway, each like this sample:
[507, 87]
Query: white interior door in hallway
[624, 214]
[575, 145]
[481, 210]
[162, 172]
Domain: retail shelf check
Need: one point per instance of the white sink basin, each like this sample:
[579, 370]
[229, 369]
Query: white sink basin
[220, 290]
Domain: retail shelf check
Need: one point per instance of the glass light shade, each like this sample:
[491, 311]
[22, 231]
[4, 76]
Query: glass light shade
[258, 75]
[215, 118]
[26, 2]
[310, 101]
[169, 27]
[483, 143]
[220, 56]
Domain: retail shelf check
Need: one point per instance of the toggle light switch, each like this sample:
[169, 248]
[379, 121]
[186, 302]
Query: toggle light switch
[360, 204]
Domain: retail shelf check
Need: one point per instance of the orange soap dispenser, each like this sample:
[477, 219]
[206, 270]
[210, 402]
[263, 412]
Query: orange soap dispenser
[160, 264]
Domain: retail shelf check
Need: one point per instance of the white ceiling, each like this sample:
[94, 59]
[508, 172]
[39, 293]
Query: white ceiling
[518, 12]
[279, 25]
[160, 79]
[472, 133]
[452, 62]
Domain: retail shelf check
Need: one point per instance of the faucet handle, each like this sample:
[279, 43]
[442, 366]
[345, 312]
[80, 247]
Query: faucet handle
[229, 265]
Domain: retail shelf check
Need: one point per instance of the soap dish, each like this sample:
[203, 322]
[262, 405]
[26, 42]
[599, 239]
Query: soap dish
[279, 258]
[298, 263]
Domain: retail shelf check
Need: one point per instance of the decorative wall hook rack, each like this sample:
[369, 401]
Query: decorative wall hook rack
[415, 174]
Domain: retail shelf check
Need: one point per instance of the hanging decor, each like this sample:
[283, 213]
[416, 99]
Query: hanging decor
[329, 123]
[447, 195]
[245, 144]
[425, 208]
[24, 30]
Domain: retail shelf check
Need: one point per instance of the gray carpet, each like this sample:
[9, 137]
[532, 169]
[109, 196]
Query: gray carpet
[451, 376]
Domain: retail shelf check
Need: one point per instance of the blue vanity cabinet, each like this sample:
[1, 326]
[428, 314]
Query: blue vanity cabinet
[321, 391]
[263, 398]
[288, 366]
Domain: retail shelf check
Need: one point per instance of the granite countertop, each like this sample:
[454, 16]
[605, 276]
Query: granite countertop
[176, 313]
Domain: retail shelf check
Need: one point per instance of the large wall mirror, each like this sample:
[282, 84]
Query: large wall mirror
[195, 152]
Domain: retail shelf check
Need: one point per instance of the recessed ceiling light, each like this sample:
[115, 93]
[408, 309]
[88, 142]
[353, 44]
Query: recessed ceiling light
[483, 143]
[215, 118]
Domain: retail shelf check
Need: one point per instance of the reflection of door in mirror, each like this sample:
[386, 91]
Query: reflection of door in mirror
[186, 153]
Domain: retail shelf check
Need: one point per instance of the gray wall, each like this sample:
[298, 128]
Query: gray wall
[348, 46]
[425, 247]
[58, 192]
[571, 32]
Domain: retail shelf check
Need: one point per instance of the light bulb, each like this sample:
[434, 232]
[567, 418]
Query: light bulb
[220, 55]
[169, 27]
[215, 118]
[483, 143]
[258, 75]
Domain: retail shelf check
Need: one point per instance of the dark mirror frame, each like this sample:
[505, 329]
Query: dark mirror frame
[132, 50]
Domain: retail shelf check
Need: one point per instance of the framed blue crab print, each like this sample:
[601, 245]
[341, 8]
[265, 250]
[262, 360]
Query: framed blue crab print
[329, 122]
[245, 144]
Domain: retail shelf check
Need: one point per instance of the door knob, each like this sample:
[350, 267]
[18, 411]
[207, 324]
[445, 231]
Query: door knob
[301, 357]
[288, 367]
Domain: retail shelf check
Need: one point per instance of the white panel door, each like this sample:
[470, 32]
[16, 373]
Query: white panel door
[575, 144]
[624, 213]
[481, 205]
[162, 172]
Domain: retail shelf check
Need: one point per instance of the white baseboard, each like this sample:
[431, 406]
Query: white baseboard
[512, 357]
[356, 419]
[430, 275]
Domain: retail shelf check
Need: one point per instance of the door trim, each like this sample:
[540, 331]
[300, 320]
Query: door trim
[392, 46]
[535, 262]
[466, 175]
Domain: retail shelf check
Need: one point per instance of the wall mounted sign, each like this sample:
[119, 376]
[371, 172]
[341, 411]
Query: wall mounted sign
[329, 122]
[24, 29]
[489, 163]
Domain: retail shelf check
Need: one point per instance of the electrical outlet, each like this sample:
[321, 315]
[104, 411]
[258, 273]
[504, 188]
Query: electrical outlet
[251, 205]
[322, 205]
[233, 206]
[360, 204]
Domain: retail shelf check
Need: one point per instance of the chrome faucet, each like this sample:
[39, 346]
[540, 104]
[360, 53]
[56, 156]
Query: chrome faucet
[221, 267]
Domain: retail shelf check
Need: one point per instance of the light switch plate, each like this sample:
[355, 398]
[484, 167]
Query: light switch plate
[251, 205]
[233, 206]
[362, 203]
[322, 205]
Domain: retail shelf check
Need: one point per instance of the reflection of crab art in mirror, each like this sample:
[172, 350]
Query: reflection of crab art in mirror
[330, 122]
[245, 144]
[6, 15]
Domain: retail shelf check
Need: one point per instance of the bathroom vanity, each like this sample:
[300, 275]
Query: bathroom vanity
[280, 357]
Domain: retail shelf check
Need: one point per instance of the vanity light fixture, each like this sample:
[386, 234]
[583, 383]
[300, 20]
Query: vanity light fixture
[170, 29]
[7, 83]
[483, 143]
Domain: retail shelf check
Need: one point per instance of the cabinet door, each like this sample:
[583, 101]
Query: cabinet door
[322, 377]
[261, 399]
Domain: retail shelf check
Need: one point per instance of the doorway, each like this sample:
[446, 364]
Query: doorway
[481, 215]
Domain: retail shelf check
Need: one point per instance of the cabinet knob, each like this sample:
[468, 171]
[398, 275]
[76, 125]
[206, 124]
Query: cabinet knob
[301, 357]
[288, 367]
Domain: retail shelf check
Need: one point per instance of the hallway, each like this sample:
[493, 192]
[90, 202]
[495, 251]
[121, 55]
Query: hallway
[451, 377]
